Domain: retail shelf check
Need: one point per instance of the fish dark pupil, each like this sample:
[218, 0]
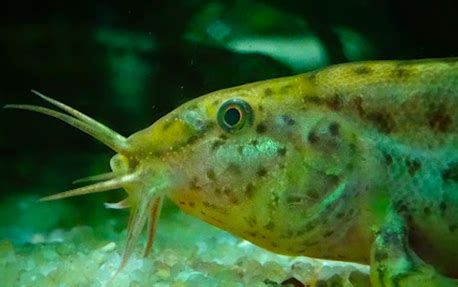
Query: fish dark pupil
[232, 117]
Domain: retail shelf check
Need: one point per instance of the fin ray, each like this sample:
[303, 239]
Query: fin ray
[152, 224]
[137, 221]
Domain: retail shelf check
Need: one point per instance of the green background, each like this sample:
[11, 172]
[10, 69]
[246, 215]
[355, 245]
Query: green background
[127, 65]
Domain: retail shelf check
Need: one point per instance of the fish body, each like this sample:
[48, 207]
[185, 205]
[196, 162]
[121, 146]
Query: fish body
[332, 164]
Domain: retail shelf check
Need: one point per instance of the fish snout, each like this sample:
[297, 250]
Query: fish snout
[120, 164]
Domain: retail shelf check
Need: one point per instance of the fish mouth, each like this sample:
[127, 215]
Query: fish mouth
[146, 187]
[120, 164]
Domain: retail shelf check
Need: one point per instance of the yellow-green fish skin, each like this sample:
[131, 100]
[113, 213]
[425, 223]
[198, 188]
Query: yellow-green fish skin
[327, 155]
[355, 162]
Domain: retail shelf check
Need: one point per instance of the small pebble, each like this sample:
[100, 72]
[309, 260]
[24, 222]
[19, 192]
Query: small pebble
[108, 247]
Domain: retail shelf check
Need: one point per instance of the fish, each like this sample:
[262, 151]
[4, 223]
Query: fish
[355, 162]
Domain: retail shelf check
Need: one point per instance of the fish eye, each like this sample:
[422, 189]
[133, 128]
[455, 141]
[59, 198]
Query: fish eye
[234, 114]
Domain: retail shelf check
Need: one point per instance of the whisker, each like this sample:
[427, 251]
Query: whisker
[97, 187]
[79, 115]
[125, 203]
[99, 177]
[111, 140]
